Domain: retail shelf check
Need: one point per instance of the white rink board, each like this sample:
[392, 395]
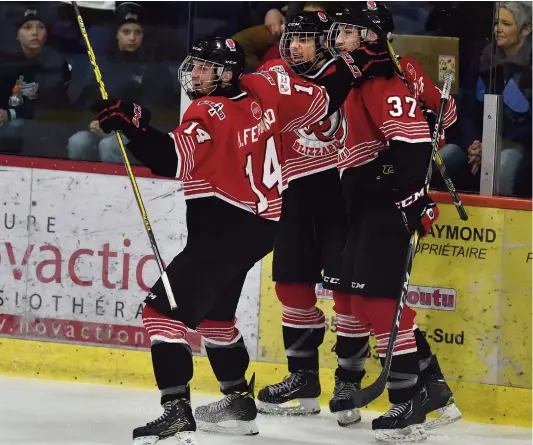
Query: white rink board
[75, 261]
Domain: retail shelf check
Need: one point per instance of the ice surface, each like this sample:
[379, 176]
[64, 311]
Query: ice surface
[39, 412]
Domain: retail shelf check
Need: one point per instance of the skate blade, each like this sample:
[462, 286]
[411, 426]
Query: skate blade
[410, 434]
[183, 438]
[348, 418]
[448, 414]
[230, 427]
[306, 407]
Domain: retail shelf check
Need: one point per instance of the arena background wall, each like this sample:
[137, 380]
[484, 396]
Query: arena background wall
[75, 265]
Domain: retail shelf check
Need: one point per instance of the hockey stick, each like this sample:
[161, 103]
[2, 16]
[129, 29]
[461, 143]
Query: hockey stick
[436, 156]
[370, 393]
[140, 204]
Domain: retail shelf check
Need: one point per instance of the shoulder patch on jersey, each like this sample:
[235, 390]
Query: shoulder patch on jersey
[215, 108]
[278, 69]
[284, 84]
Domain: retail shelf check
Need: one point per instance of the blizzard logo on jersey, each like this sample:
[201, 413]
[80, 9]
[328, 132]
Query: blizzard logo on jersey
[267, 76]
[438, 298]
[252, 134]
[322, 139]
[215, 108]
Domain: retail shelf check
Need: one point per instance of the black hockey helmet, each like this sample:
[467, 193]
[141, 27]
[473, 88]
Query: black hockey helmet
[354, 21]
[305, 28]
[204, 70]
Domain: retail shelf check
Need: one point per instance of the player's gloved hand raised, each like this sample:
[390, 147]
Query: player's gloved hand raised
[366, 63]
[120, 115]
[419, 212]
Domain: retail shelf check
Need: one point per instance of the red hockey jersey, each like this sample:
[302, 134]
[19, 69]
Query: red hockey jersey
[230, 147]
[314, 148]
[383, 110]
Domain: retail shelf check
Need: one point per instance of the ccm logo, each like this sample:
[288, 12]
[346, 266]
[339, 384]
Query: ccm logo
[332, 280]
[411, 199]
[358, 285]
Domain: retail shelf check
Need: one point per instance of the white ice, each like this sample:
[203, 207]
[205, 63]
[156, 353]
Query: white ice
[39, 412]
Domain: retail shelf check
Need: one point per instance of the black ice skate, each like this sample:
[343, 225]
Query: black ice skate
[437, 398]
[301, 386]
[234, 414]
[342, 405]
[402, 423]
[177, 421]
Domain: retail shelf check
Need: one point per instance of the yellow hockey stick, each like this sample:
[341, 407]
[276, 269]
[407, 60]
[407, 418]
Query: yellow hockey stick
[140, 204]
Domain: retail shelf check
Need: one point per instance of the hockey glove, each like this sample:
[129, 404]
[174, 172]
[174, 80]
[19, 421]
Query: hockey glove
[120, 115]
[419, 212]
[366, 64]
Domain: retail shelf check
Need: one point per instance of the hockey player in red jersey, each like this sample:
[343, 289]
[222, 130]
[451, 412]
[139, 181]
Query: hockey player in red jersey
[227, 152]
[383, 168]
[310, 238]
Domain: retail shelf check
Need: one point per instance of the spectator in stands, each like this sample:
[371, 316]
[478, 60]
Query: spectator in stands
[260, 43]
[39, 73]
[130, 71]
[510, 69]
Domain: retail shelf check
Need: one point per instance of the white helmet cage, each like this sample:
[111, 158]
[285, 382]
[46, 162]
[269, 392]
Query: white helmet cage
[303, 66]
[201, 68]
[344, 37]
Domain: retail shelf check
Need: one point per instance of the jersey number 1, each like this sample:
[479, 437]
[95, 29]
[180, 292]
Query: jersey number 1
[271, 175]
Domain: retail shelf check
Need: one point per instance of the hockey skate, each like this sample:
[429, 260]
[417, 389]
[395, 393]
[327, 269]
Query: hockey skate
[301, 386]
[346, 413]
[177, 421]
[402, 423]
[437, 398]
[234, 414]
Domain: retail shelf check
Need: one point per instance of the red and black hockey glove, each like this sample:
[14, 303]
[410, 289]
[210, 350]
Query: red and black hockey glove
[365, 64]
[120, 115]
[419, 212]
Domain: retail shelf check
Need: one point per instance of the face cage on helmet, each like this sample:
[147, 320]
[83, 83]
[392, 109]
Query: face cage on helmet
[344, 37]
[185, 76]
[303, 67]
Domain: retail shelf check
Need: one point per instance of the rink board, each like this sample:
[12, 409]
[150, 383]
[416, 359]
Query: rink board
[478, 402]
[75, 266]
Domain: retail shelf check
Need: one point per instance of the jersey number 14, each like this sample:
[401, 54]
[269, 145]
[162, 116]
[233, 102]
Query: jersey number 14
[271, 174]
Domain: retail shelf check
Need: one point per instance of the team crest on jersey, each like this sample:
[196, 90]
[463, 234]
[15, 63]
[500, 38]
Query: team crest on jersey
[214, 108]
[231, 44]
[322, 139]
[323, 17]
[256, 110]
[278, 69]
[371, 6]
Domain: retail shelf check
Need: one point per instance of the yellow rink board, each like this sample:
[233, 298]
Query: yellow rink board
[68, 362]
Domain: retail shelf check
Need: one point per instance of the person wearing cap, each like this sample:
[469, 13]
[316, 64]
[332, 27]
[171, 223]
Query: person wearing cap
[36, 74]
[129, 70]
